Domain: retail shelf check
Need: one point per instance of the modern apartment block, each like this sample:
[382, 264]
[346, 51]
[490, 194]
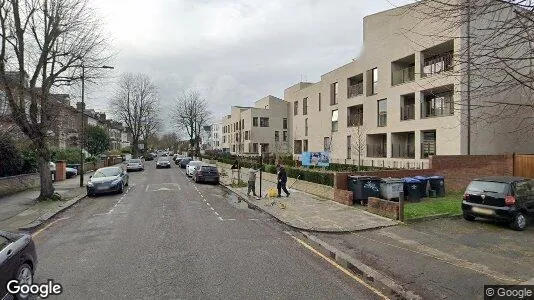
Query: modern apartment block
[263, 128]
[401, 101]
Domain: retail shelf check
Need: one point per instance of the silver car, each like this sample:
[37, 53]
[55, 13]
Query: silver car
[135, 165]
[191, 166]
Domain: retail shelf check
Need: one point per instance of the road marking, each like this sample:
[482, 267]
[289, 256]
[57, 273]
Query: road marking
[48, 225]
[147, 186]
[221, 219]
[335, 264]
[217, 213]
[208, 203]
[229, 219]
[212, 208]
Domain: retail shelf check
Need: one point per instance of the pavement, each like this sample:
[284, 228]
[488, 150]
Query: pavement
[169, 238]
[304, 211]
[22, 212]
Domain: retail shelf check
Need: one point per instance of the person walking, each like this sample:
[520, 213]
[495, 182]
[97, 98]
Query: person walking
[282, 180]
[252, 181]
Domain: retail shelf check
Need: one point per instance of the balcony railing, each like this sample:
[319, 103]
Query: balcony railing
[355, 90]
[376, 150]
[403, 75]
[402, 151]
[438, 64]
[355, 119]
[428, 148]
[408, 112]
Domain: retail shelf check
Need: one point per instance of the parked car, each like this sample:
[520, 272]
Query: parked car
[191, 167]
[163, 162]
[71, 172]
[150, 157]
[110, 179]
[206, 173]
[135, 165]
[184, 161]
[505, 198]
[18, 260]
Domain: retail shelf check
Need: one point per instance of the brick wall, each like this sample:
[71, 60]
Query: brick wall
[343, 197]
[13, 184]
[385, 208]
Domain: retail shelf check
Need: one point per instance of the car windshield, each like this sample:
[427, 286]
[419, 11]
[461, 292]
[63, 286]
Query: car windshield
[107, 172]
[487, 187]
[135, 161]
[163, 159]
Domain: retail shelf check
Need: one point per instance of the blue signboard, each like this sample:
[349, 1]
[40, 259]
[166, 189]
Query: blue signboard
[319, 159]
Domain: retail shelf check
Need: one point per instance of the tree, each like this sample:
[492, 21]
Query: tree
[136, 104]
[493, 60]
[358, 140]
[191, 114]
[97, 139]
[42, 46]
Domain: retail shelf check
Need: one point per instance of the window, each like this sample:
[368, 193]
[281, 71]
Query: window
[264, 122]
[437, 105]
[276, 136]
[437, 63]
[255, 148]
[284, 136]
[355, 116]
[305, 106]
[295, 108]
[374, 76]
[428, 143]
[355, 86]
[349, 146]
[255, 121]
[242, 123]
[382, 117]
[306, 127]
[326, 144]
[408, 107]
[319, 101]
[246, 135]
[334, 120]
[297, 149]
[333, 93]
[264, 147]
[284, 123]
[305, 146]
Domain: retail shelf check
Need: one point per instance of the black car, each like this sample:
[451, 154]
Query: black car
[206, 173]
[505, 198]
[163, 162]
[18, 261]
[110, 179]
[184, 161]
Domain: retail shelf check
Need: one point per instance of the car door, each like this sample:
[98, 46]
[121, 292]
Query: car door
[8, 264]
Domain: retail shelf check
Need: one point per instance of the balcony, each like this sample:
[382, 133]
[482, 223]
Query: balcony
[402, 150]
[376, 150]
[408, 112]
[403, 75]
[437, 59]
[355, 90]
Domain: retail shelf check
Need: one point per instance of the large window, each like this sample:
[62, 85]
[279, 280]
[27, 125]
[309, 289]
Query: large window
[246, 135]
[333, 93]
[439, 104]
[306, 127]
[297, 147]
[305, 106]
[349, 146]
[295, 108]
[334, 120]
[284, 136]
[374, 81]
[428, 143]
[437, 63]
[264, 122]
[382, 117]
[284, 123]
[255, 121]
[355, 115]
[276, 136]
[255, 148]
[326, 144]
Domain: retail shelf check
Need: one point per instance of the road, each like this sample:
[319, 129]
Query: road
[169, 238]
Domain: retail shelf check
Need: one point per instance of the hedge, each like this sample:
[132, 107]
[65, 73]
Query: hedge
[309, 175]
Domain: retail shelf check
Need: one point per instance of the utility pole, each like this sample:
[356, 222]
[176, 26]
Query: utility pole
[468, 77]
[82, 131]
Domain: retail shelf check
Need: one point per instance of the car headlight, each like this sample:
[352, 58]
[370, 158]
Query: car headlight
[116, 181]
[89, 184]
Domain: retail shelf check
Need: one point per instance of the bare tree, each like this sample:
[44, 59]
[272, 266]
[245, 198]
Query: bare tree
[191, 114]
[136, 104]
[358, 142]
[43, 45]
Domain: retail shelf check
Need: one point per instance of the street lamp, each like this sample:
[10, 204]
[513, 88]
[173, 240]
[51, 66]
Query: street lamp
[82, 131]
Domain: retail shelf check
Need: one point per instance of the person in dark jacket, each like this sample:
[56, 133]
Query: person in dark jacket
[282, 180]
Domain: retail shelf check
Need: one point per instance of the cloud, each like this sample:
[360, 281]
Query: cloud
[233, 51]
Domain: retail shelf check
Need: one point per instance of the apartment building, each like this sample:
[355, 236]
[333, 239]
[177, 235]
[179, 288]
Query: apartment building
[398, 103]
[263, 128]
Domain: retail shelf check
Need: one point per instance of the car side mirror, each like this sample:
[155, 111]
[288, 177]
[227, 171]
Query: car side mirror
[90, 176]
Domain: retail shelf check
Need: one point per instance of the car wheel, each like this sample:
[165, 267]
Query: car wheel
[519, 222]
[121, 190]
[127, 182]
[469, 217]
[24, 276]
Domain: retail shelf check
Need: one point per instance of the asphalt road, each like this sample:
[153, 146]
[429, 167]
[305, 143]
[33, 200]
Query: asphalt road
[169, 238]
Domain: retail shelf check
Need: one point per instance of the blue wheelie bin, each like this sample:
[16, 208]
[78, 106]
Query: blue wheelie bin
[423, 187]
[437, 183]
[412, 189]
[364, 187]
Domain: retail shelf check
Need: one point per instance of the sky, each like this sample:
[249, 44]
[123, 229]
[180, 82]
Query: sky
[233, 52]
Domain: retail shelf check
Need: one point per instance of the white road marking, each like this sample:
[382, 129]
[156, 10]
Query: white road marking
[217, 213]
[146, 190]
[221, 219]
[212, 208]
[208, 203]
[229, 219]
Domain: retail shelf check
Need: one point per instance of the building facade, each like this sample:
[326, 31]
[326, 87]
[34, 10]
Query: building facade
[263, 128]
[402, 100]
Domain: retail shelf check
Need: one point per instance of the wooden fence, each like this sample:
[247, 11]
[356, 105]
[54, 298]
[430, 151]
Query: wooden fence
[524, 165]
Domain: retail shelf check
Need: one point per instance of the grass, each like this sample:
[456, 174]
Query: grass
[451, 205]
[239, 184]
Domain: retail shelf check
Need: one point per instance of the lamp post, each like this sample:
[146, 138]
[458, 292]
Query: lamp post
[82, 131]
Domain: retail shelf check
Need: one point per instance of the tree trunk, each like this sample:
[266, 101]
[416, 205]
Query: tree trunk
[43, 158]
[135, 147]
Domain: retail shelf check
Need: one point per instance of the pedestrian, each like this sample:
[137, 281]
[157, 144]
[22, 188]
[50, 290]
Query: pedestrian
[282, 180]
[252, 181]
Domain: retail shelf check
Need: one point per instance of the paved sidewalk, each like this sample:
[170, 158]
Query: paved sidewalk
[308, 212]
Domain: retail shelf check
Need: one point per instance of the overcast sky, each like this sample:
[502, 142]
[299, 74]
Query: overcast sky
[233, 51]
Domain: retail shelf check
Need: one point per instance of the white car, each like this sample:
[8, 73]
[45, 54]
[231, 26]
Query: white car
[135, 165]
[191, 167]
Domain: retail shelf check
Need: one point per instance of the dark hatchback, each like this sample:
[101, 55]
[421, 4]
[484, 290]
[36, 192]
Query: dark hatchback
[18, 260]
[184, 161]
[206, 173]
[505, 198]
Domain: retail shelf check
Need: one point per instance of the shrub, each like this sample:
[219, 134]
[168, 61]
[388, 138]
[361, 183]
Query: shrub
[70, 155]
[14, 164]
